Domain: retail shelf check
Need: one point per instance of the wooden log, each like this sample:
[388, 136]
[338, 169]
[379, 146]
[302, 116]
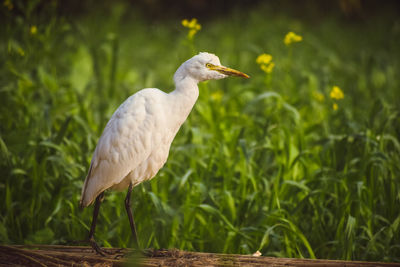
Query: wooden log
[48, 255]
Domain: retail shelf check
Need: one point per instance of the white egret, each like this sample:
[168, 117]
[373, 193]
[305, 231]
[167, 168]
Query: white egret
[136, 140]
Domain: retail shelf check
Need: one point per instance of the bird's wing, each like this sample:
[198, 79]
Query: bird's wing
[125, 143]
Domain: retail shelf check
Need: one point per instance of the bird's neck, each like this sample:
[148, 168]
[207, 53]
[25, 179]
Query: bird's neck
[184, 97]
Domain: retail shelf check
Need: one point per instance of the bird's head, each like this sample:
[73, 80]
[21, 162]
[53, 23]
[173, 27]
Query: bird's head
[206, 66]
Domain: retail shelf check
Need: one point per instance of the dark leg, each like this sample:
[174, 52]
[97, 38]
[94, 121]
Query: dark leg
[130, 216]
[92, 242]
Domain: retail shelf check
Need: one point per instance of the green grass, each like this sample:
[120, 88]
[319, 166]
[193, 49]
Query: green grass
[261, 164]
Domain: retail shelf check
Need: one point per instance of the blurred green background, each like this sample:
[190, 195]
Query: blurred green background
[275, 163]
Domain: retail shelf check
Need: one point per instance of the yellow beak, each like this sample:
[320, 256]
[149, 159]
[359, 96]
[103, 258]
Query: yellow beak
[229, 71]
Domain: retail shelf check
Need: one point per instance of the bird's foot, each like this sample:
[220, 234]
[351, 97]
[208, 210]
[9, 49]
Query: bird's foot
[134, 253]
[98, 249]
[148, 252]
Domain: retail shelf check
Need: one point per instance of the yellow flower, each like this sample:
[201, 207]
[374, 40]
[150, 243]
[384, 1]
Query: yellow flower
[191, 33]
[318, 96]
[291, 37]
[335, 106]
[336, 93]
[264, 59]
[268, 68]
[185, 23]
[265, 62]
[33, 30]
[193, 27]
[8, 4]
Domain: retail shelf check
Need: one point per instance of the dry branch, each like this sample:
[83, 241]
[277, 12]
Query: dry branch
[47, 255]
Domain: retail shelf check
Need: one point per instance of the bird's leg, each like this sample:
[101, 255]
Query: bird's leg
[130, 216]
[92, 242]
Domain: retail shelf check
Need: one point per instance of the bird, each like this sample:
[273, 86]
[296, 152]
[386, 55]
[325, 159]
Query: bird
[135, 142]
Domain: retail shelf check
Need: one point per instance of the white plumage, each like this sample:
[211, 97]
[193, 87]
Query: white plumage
[136, 141]
[134, 144]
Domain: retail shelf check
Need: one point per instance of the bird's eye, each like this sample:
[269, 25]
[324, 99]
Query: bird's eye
[209, 65]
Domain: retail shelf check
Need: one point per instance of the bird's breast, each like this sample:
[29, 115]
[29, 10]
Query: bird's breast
[148, 130]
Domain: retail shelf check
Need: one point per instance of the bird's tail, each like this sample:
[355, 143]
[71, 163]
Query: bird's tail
[83, 202]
